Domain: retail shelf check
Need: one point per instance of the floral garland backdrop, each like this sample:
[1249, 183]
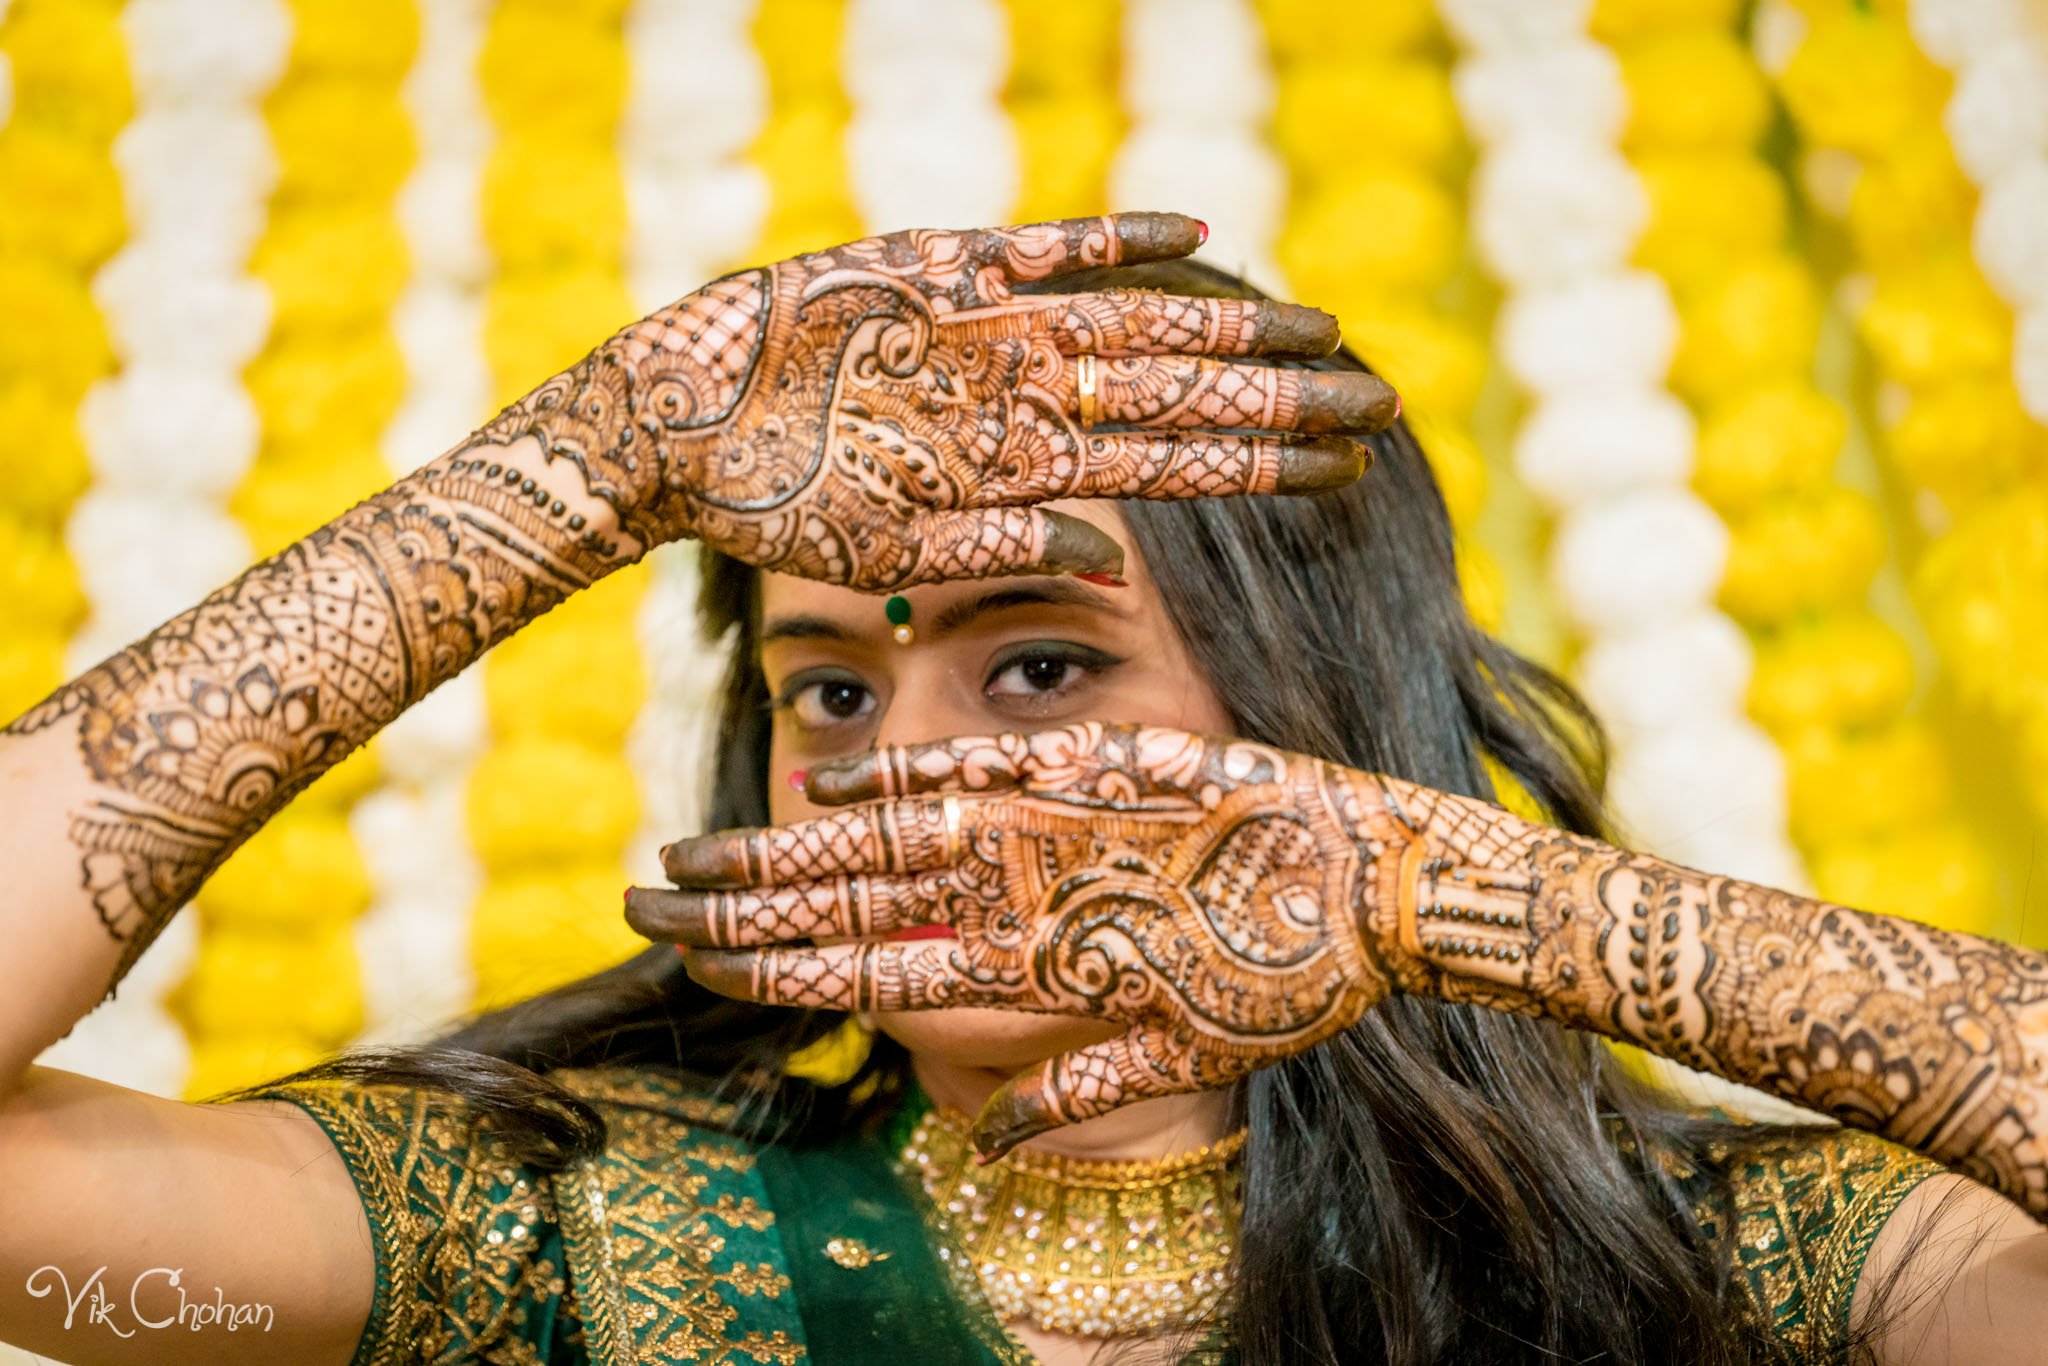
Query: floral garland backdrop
[1959, 451]
[1720, 323]
[1563, 214]
[412, 830]
[554, 77]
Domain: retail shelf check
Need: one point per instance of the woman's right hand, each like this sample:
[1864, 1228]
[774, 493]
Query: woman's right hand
[882, 413]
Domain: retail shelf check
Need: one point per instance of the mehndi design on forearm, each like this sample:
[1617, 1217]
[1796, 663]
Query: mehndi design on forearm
[1233, 904]
[872, 415]
[1935, 1040]
[194, 735]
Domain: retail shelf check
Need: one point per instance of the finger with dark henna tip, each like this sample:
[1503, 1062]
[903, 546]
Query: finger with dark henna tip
[1130, 322]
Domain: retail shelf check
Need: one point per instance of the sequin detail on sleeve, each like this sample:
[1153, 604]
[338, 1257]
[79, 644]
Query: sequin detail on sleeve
[470, 1261]
[1805, 1213]
[673, 1237]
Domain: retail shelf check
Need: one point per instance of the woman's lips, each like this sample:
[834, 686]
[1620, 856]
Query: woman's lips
[921, 932]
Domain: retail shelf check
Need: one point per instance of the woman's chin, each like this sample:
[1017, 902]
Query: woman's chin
[1002, 1040]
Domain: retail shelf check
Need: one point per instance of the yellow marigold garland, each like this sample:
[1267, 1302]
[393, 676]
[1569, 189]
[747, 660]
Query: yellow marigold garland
[1377, 160]
[553, 804]
[802, 149]
[1953, 434]
[70, 97]
[277, 983]
[1061, 98]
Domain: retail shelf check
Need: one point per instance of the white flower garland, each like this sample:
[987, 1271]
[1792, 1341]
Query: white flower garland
[694, 203]
[1997, 122]
[1198, 87]
[171, 435]
[413, 941]
[929, 143]
[1637, 557]
[694, 206]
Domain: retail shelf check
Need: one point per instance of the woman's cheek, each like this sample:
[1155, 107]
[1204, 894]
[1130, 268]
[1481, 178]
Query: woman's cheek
[786, 801]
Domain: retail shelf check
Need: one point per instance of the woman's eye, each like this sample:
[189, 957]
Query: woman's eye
[1043, 671]
[829, 702]
[1032, 676]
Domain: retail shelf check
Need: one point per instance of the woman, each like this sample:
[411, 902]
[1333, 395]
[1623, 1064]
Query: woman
[628, 1168]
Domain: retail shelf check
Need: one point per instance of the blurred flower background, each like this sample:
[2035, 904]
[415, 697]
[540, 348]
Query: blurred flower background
[1725, 325]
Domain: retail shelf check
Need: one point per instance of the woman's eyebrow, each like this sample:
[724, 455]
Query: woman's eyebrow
[807, 628]
[1047, 593]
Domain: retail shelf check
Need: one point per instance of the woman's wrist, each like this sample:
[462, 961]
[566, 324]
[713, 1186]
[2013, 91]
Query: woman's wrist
[634, 438]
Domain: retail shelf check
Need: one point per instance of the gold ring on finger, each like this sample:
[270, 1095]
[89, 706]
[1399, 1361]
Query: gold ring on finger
[1084, 381]
[949, 811]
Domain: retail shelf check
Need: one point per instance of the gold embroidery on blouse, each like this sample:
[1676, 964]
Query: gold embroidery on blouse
[1805, 1212]
[443, 1221]
[606, 1337]
[660, 1228]
[853, 1254]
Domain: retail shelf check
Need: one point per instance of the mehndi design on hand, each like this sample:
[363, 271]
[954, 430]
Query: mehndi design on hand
[1234, 904]
[880, 413]
[1205, 892]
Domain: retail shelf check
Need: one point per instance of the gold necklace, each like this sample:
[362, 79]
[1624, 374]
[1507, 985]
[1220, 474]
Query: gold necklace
[1099, 1249]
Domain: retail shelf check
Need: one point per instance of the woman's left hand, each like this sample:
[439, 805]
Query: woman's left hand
[1209, 894]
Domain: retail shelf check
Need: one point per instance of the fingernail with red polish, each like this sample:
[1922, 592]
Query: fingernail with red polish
[796, 779]
[1203, 230]
[1103, 580]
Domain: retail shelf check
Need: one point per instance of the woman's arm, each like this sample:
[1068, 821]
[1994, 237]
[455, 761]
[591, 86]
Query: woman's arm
[1233, 904]
[1935, 1040]
[124, 790]
[1954, 1277]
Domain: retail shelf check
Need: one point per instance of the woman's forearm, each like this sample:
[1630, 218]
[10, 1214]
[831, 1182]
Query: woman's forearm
[124, 790]
[1935, 1040]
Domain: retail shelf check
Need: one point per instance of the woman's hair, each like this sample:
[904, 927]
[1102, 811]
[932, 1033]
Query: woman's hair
[1438, 1183]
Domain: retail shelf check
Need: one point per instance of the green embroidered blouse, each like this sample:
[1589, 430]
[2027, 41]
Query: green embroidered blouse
[683, 1243]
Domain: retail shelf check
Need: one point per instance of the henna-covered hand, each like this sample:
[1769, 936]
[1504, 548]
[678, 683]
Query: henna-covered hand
[1206, 893]
[882, 413]
[1232, 904]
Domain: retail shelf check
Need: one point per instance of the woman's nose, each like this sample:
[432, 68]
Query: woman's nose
[923, 707]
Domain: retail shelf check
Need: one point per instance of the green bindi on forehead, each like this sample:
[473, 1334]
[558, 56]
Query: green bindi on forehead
[897, 610]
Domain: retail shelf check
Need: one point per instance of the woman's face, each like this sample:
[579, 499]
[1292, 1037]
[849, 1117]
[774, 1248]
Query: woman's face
[990, 655]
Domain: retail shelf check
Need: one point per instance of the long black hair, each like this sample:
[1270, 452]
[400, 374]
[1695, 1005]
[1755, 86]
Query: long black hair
[1439, 1183]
